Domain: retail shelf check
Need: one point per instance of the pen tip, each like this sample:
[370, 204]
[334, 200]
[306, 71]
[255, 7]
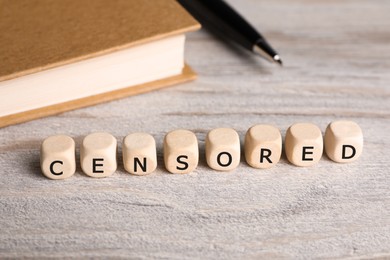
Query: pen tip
[263, 49]
[277, 59]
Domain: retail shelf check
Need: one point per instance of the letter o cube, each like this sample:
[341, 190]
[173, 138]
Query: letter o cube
[58, 159]
[181, 152]
[304, 144]
[343, 141]
[223, 149]
[98, 155]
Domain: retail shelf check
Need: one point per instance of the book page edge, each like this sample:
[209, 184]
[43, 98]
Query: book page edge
[187, 75]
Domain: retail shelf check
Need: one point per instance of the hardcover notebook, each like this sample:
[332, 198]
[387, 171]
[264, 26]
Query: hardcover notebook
[60, 55]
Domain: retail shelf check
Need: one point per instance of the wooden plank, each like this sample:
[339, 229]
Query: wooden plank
[337, 57]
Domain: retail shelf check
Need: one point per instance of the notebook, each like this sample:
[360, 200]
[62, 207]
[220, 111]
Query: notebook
[57, 56]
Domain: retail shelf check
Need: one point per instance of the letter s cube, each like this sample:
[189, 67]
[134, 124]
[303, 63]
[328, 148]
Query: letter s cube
[181, 152]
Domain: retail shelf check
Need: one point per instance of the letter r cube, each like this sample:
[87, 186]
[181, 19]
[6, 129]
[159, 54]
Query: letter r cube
[263, 146]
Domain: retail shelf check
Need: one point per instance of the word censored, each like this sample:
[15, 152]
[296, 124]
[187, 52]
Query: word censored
[304, 145]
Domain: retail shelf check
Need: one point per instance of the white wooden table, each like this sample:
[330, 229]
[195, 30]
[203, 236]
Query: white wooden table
[337, 65]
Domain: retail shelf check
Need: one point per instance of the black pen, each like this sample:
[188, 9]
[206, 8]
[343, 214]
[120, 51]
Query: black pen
[222, 19]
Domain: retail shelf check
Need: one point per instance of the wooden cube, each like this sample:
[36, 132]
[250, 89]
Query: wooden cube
[343, 141]
[223, 149]
[139, 153]
[181, 152]
[263, 146]
[58, 159]
[304, 144]
[98, 155]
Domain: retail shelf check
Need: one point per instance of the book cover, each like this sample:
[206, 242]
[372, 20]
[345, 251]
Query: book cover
[37, 35]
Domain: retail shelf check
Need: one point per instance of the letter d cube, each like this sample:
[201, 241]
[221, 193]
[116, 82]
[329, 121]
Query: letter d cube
[343, 141]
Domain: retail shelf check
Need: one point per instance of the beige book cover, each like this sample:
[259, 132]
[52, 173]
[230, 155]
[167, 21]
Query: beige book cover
[37, 35]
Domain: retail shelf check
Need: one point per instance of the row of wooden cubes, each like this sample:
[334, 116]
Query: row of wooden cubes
[304, 144]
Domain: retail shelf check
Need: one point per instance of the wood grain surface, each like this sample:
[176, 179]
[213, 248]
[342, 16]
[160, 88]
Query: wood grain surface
[337, 63]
